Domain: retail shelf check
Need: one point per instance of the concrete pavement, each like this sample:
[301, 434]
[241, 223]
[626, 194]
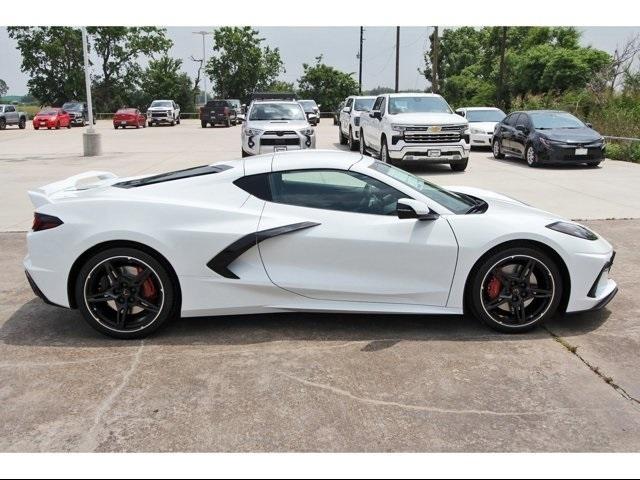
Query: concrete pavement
[30, 158]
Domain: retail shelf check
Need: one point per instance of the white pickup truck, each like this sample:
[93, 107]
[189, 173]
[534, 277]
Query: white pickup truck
[10, 116]
[408, 127]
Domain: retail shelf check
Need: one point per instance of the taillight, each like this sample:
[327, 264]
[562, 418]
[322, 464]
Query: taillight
[45, 222]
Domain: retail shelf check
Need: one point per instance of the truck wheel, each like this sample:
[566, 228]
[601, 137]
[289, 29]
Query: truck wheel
[384, 152]
[353, 144]
[341, 138]
[3, 124]
[173, 123]
[178, 121]
[22, 123]
[459, 166]
[244, 154]
[363, 147]
[203, 124]
[228, 122]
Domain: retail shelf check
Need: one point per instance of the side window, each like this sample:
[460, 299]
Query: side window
[383, 106]
[349, 103]
[461, 113]
[511, 119]
[334, 190]
[10, 108]
[522, 120]
[378, 102]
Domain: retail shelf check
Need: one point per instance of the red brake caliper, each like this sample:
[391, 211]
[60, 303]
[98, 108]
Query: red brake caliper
[494, 287]
[148, 288]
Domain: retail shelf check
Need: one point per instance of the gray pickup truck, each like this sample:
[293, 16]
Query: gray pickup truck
[10, 116]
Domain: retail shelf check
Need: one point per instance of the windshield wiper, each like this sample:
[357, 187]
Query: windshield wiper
[478, 207]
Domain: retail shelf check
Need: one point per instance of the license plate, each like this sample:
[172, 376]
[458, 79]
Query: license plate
[123, 122]
[280, 149]
[433, 153]
[581, 151]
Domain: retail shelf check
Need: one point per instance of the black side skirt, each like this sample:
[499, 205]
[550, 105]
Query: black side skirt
[220, 263]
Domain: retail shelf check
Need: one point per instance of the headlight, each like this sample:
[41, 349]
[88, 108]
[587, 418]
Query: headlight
[573, 229]
[477, 131]
[398, 128]
[306, 131]
[252, 132]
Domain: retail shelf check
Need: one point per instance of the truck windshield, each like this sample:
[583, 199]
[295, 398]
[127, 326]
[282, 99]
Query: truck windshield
[277, 111]
[363, 104]
[308, 105]
[161, 103]
[418, 105]
[485, 115]
[72, 106]
[450, 200]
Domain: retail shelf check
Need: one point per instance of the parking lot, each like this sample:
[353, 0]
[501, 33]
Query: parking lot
[316, 382]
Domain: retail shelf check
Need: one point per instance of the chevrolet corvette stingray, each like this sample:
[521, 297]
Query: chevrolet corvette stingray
[304, 231]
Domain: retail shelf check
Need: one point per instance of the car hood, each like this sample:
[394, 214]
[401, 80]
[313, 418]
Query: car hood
[502, 204]
[571, 135]
[277, 124]
[485, 126]
[153, 109]
[427, 118]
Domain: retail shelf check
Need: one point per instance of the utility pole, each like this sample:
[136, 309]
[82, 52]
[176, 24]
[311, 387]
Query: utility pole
[90, 138]
[204, 33]
[435, 83]
[360, 58]
[397, 59]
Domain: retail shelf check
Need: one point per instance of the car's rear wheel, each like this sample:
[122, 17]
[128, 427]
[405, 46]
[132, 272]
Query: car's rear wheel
[497, 149]
[514, 290]
[125, 293]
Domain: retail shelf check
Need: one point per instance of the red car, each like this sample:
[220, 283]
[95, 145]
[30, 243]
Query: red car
[51, 118]
[129, 117]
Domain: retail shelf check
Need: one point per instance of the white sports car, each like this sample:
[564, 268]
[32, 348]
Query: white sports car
[304, 231]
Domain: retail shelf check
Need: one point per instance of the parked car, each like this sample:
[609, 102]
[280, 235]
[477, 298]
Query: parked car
[79, 113]
[312, 110]
[9, 115]
[163, 112]
[218, 112]
[315, 231]
[239, 108]
[349, 124]
[51, 118]
[482, 122]
[129, 117]
[276, 125]
[548, 137]
[407, 127]
[336, 113]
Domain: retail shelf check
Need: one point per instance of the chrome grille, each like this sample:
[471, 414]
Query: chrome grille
[279, 133]
[431, 137]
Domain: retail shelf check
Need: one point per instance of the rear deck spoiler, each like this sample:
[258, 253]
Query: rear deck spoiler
[83, 181]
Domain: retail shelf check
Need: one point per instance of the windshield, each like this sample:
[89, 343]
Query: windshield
[308, 105]
[161, 103]
[485, 115]
[72, 106]
[277, 111]
[418, 105]
[450, 200]
[550, 120]
[363, 104]
[48, 111]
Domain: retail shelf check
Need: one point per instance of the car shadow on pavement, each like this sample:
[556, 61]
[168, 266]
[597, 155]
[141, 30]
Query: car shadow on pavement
[522, 163]
[37, 324]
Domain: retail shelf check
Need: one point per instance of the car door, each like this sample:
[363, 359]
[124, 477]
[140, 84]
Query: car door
[345, 116]
[508, 132]
[520, 137]
[352, 246]
[11, 115]
[373, 124]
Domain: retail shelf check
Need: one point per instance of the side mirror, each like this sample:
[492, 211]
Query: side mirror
[346, 110]
[409, 208]
[589, 125]
[375, 114]
[522, 128]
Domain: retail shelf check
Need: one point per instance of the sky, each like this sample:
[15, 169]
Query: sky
[337, 45]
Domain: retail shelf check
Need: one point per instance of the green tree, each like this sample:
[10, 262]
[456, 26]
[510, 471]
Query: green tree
[3, 88]
[53, 59]
[240, 64]
[163, 78]
[379, 90]
[325, 84]
[281, 86]
[119, 50]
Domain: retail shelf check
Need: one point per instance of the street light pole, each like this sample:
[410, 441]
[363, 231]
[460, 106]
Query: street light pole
[204, 33]
[360, 58]
[90, 138]
[397, 59]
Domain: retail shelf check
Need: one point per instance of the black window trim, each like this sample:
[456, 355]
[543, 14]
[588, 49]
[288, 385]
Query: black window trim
[198, 171]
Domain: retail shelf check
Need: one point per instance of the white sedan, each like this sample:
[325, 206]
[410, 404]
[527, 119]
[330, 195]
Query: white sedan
[482, 123]
[304, 231]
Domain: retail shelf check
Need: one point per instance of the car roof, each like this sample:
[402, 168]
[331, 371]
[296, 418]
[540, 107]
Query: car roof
[300, 160]
[411, 94]
[478, 108]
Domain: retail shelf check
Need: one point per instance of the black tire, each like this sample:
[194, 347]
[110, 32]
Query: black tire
[22, 123]
[341, 138]
[228, 122]
[173, 123]
[3, 124]
[203, 124]
[58, 125]
[115, 127]
[496, 147]
[178, 121]
[150, 124]
[363, 146]
[531, 156]
[352, 142]
[384, 152]
[68, 125]
[93, 276]
[459, 166]
[245, 154]
[492, 311]
[594, 164]
[335, 120]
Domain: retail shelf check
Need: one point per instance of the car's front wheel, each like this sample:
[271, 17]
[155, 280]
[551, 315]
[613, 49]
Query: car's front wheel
[363, 147]
[531, 156]
[22, 124]
[515, 289]
[125, 293]
[459, 166]
[497, 149]
[352, 142]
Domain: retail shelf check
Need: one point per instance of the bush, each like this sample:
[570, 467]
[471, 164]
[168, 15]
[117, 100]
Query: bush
[625, 151]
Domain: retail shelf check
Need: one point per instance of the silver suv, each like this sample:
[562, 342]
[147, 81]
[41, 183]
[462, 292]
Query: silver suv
[276, 125]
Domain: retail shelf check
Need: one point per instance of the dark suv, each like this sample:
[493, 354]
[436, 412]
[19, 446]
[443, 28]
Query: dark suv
[78, 112]
[218, 112]
[548, 137]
